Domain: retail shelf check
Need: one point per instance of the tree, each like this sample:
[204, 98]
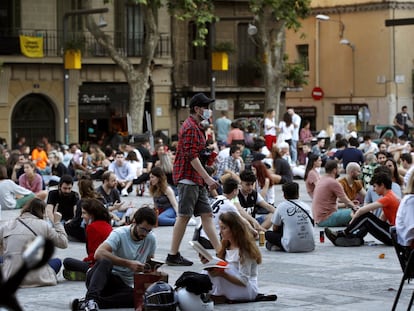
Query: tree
[138, 77]
[272, 18]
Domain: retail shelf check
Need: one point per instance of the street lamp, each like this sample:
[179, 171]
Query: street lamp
[323, 17]
[66, 71]
[352, 46]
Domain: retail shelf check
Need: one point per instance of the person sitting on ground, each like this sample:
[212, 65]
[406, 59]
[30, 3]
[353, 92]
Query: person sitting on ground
[164, 197]
[240, 251]
[32, 181]
[17, 233]
[75, 228]
[12, 196]
[404, 222]
[324, 204]
[123, 172]
[368, 169]
[110, 194]
[264, 183]
[352, 185]
[292, 230]
[252, 201]
[233, 162]
[98, 228]
[350, 154]
[312, 175]
[40, 159]
[364, 222]
[125, 252]
[223, 204]
[282, 173]
[63, 199]
[58, 169]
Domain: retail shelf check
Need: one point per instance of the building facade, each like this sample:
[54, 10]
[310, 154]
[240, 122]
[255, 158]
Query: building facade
[356, 60]
[32, 89]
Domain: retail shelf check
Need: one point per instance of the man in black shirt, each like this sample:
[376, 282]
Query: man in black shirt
[63, 199]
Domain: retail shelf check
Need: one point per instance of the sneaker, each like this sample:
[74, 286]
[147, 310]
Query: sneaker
[192, 222]
[124, 192]
[331, 235]
[271, 247]
[84, 305]
[177, 260]
[349, 241]
[74, 275]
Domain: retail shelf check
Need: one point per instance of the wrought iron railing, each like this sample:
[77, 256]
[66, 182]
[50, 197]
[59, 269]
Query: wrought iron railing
[126, 44]
[197, 73]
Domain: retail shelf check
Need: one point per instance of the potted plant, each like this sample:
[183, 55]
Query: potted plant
[295, 75]
[73, 52]
[220, 55]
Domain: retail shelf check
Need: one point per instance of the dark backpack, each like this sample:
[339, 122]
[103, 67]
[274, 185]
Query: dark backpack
[194, 282]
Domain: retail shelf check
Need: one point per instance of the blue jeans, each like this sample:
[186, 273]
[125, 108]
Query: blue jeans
[294, 151]
[55, 263]
[340, 218]
[167, 217]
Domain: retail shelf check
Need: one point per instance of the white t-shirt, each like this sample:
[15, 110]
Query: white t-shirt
[220, 205]
[297, 227]
[269, 127]
[296, 120]
[286, 131]
[405, 221]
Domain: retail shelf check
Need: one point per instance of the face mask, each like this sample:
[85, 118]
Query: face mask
[206, 114]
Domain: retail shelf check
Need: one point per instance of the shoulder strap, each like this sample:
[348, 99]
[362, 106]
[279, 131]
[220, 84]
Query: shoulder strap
[305, 211]
[23, 223]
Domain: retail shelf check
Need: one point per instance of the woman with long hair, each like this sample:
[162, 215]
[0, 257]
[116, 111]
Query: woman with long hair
[264, 183]
[312, 175]
[98, 226]
[282, 172]
[32, 181]
[163, 196]
[75, 228]
[17, 233]
[392, 165]
[305, 134]
[240, 251]
[286, 128]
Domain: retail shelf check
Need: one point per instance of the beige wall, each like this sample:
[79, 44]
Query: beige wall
[374, 63]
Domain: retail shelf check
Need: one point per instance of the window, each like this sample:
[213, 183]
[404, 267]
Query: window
[303, 55]
[9, 16]
[247, 48]
[197, 52]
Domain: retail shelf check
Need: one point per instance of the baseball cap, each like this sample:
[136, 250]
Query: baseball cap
[200, 100]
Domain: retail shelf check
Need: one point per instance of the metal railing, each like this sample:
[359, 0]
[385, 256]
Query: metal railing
[130, 45]
[197, 73]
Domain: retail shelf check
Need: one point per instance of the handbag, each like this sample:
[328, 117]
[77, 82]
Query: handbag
[143, 280]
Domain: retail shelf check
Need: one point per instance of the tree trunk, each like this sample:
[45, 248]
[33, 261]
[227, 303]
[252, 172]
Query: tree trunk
[137, 77]
[272, 39]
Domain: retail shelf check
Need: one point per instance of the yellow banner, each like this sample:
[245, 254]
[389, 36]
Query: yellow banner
[31, 46]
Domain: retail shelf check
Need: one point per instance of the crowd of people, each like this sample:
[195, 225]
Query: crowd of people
[221, 173]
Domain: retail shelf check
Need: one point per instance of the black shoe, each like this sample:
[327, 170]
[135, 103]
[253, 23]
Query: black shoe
[331, 235]
[84, 305]
[349, 241]
[177, 260]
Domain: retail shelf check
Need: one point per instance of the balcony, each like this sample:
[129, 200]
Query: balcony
[195, 73]
[127, 44]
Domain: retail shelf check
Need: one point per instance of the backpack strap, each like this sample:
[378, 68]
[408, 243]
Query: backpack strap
[305, 211]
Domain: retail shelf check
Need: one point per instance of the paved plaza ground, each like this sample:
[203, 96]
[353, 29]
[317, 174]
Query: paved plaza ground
[330, 278]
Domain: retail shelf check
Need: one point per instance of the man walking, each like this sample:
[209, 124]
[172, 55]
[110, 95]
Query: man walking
[296, 120]
[191, 177]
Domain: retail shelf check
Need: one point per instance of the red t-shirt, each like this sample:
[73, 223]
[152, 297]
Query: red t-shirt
[96, 233]
[390, 205]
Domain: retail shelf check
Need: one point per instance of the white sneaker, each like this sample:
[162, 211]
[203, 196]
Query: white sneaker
[192, 222]
[124, 192]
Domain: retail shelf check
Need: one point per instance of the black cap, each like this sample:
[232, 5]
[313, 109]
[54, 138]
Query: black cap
[200, 100]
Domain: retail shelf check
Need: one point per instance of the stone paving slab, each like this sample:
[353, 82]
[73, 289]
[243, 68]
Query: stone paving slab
[330, 278]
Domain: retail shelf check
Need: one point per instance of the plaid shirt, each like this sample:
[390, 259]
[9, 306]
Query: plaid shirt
[191, 141]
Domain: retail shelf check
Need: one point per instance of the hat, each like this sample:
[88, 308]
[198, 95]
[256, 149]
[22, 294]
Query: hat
[200, 100]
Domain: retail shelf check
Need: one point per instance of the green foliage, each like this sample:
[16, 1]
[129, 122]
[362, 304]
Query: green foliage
[295, 74]
[76, 43]
[224, 46]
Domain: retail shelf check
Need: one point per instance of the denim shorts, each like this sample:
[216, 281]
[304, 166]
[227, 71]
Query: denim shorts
[192, 200]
